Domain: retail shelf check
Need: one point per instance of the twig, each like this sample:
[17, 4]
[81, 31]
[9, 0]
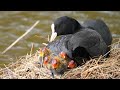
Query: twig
[20, 37]
[31, 49]
[45, 44]
[107, 53]
[42, 62]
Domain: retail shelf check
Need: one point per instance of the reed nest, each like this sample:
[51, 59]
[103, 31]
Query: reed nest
[27, 67]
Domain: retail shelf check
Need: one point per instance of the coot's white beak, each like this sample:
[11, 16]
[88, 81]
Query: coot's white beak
[54, 34]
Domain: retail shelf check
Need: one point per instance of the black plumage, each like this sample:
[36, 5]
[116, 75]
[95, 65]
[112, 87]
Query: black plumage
[89, 40]
[100, 26]
[66, 25]
[81, 45]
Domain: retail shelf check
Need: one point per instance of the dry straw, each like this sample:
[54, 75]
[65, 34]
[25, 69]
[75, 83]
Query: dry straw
[27, 67]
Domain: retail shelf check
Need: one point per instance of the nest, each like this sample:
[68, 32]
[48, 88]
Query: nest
[27, 67]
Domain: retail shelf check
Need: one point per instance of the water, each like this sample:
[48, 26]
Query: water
[14, 23]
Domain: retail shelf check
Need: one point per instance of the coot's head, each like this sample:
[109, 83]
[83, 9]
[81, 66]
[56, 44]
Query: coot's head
[63, 26]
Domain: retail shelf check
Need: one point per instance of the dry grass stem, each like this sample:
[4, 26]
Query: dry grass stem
[27, 67]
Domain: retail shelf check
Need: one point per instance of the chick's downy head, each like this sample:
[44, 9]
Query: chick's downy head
[63, 55]
[46, 60]
[55, 63]
[72, 64]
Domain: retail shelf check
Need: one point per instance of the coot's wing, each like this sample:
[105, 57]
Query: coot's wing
[100, 26]
[90, 40]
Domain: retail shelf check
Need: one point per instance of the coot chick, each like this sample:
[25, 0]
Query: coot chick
[55, 64]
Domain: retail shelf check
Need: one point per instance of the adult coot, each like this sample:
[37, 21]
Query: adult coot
[77, 41]
[84, 44]
[79, 47]
[67, 25]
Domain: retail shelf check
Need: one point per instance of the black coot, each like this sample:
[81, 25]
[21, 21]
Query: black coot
[77, 41]
[84, 44]
[66, 25]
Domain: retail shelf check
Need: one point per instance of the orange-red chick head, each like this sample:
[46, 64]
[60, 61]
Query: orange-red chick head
[46, 60]
[63, 55]
[72, 64]
[55, 63]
